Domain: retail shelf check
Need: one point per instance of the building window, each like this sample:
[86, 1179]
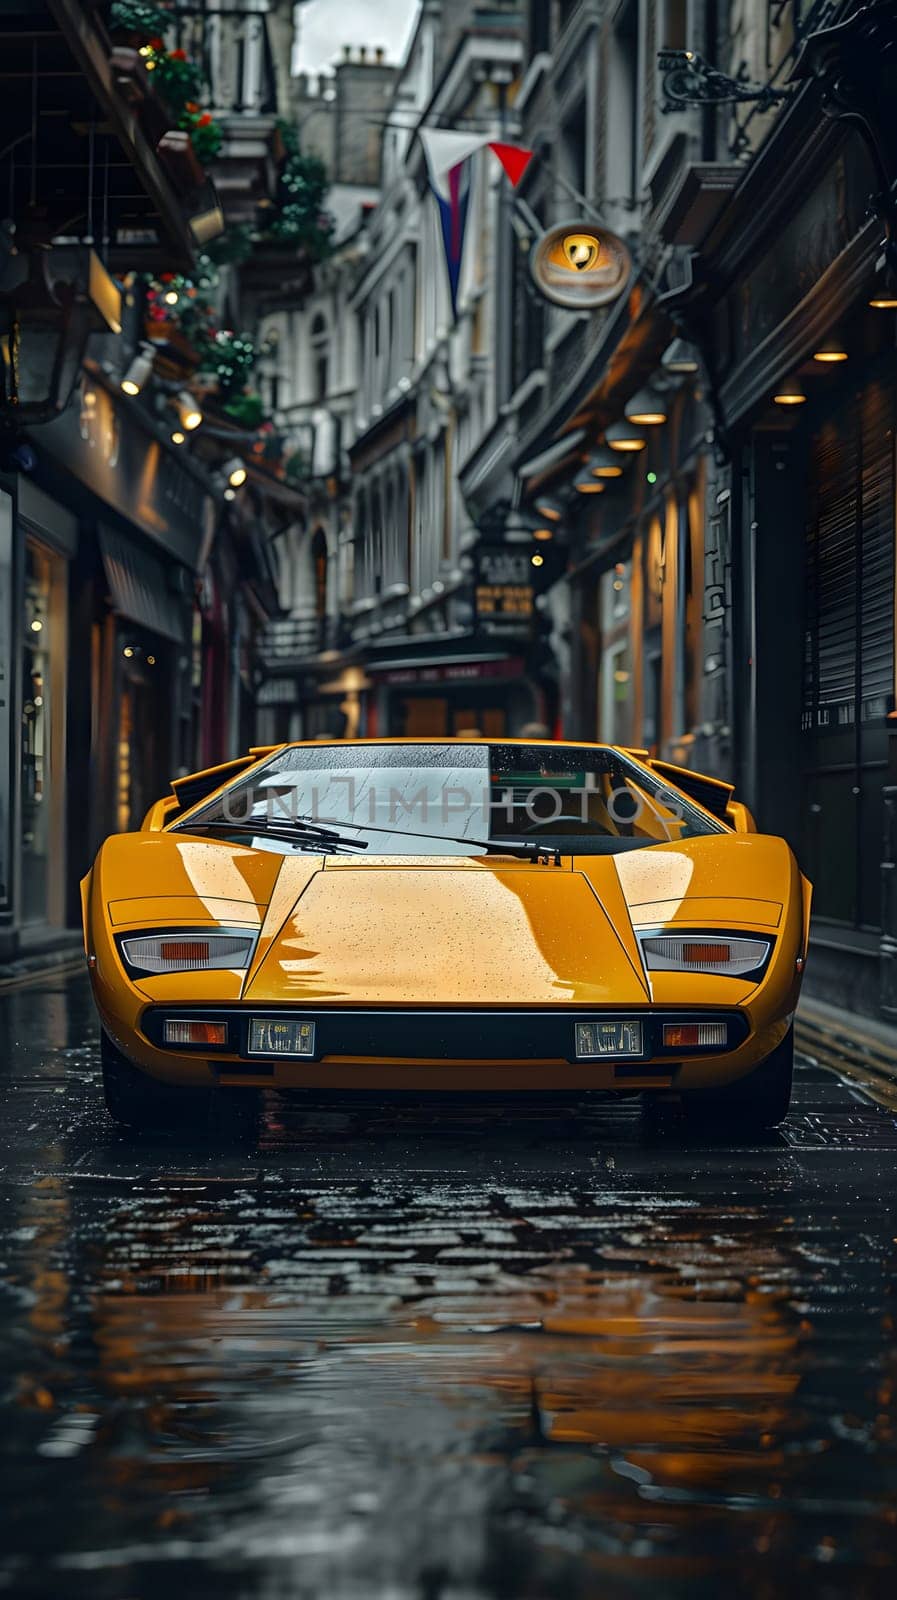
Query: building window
[574, 144]
[623, 109]
[320, 349]
[674, 25]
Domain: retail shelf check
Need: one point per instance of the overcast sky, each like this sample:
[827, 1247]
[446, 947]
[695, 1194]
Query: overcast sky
[326, 25]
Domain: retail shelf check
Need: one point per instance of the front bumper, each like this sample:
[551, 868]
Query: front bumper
[424, 1050]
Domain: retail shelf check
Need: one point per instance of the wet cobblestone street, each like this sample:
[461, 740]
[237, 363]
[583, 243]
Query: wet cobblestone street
[449, 1353]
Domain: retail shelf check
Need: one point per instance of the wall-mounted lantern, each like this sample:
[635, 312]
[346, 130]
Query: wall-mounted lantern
[51, 301]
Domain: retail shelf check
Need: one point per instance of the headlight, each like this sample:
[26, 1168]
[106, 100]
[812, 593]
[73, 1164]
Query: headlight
[186, 950]
[729, 956]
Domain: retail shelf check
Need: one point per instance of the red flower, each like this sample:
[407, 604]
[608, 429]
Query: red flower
[157, 44]
[166, 277]
[177, 55]
[205, 119]
[192, 107]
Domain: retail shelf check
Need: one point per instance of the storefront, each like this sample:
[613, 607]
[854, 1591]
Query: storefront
[99, 545]
[444, 696]
[788, 300]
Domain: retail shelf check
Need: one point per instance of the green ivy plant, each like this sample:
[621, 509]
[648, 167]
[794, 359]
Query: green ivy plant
[300, 217]
[232, 247]
[228, 357]
[248, 409]
[296, 467]
[139, 17]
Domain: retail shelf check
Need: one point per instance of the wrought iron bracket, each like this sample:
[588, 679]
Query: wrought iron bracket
[689, 80]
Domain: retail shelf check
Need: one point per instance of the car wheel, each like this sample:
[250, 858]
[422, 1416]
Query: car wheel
[135, 1100]
[234, 1117]
[759, 1100]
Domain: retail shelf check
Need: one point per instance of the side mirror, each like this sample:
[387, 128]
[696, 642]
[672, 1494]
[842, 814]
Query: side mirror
[739, 817]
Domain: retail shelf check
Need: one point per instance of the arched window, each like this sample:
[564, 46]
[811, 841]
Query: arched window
[320, 355]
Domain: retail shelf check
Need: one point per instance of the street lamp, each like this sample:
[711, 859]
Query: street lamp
[235, 472]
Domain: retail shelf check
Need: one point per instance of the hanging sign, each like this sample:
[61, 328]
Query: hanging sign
[503, 590]
[580, 266]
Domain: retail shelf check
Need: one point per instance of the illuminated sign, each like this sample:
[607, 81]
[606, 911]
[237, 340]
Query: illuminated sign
[503, 590]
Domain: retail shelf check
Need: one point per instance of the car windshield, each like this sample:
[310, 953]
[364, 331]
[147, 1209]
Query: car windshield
[452, 799]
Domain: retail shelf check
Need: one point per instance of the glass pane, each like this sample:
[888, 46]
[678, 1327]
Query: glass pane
[37, 821]
[394, 798]
[5, 689]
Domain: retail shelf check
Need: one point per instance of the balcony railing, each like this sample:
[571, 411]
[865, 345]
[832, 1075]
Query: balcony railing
[233, 47]
[292, 640]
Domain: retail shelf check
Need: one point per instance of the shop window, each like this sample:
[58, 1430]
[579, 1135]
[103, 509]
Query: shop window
[43, 735]
[616, 678]
[5, 664]
[144, 753]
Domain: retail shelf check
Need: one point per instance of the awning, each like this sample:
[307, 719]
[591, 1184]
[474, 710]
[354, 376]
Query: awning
[140, 588]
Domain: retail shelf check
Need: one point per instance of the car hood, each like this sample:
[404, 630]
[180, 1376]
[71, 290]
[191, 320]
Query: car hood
[448, 932]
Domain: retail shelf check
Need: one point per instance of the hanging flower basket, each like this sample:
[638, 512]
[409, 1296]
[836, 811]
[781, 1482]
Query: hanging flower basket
[175, 149]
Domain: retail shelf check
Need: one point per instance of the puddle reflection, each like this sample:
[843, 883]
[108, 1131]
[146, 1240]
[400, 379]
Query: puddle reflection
[424, 1385]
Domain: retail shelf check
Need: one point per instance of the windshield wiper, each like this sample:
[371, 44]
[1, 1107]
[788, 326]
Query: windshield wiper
[323, 840]
[329, 842]
[522, 849]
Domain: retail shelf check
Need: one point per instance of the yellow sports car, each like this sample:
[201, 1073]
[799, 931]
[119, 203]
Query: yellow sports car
[454, 915]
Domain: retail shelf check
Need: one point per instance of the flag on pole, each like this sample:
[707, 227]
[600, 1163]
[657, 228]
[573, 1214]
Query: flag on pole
[448, 152]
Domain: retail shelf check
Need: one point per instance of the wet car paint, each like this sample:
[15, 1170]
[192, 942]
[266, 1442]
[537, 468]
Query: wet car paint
[447, 1351]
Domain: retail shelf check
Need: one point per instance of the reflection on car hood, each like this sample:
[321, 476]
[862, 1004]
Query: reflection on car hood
[448, 932]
